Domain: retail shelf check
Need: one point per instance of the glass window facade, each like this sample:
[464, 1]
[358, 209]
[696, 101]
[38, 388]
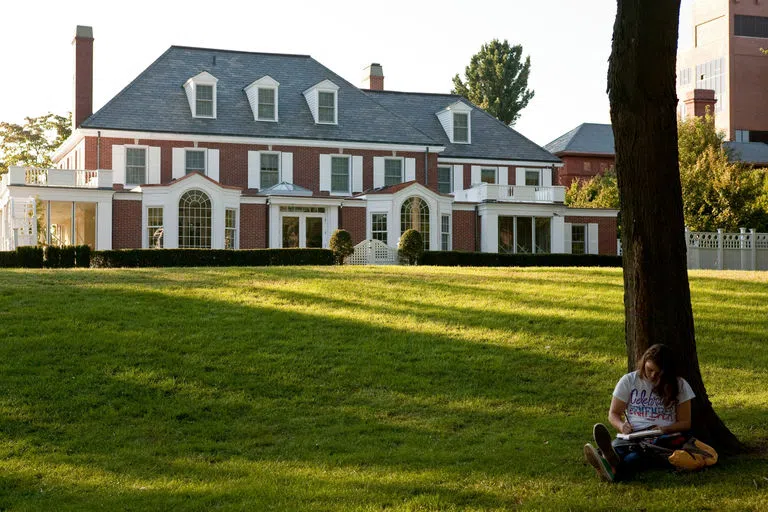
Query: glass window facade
[66, 223]
[525, 235]
[379, 226]
[711, 75]
[270, 170]
[445, 232]
[230, 228]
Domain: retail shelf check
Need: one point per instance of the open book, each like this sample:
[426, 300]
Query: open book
[640, 434]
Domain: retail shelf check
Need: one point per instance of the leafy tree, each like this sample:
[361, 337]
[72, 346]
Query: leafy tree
[717, 193]
[657, 299]
[32, 143]
[497, 80]
[411, 246]
[600, 191]
[341, 245]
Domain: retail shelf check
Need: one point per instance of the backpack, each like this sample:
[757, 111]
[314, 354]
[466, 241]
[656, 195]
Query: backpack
[693, 455]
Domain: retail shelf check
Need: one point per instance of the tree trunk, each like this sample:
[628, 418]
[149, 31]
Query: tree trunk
[657, 301]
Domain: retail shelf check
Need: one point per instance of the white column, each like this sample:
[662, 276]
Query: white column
[331, 224]
[104, 225]
[753, 249]
[719, 249]
[275, 232]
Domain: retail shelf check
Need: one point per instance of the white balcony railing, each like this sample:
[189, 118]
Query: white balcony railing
[57, 178]
[485, 192]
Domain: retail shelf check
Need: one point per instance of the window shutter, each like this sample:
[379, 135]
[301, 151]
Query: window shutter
[378, 172]
[476, 175]
[410, 169]
[254, 169]
[325, 173]
[520, 176]
[567, 238]
[118, 164]
[503, 175]
[212, 166]
[357, 174]
[286, 167]
[458, 178]
[592, 235]
[153, 165]
[178, 163]
[546, 177]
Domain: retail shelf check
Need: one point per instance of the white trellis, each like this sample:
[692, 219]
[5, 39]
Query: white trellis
[373, 252]
[745, 250]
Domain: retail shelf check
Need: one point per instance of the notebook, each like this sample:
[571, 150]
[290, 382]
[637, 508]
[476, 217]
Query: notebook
[640, 434]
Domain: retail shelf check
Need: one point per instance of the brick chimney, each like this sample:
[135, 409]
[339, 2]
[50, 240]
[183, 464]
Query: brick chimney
[698, 101]
[83, 78]
[373, 78]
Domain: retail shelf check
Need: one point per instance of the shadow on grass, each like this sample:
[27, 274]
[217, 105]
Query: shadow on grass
[221, 403]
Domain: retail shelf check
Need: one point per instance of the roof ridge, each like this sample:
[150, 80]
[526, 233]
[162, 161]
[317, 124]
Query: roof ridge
[200, 48]
[414, 93]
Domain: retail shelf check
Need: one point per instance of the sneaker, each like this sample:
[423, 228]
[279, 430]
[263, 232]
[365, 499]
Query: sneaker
[604, 470]
[603, 440]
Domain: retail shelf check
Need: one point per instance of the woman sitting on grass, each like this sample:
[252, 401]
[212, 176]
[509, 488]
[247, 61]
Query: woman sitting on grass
[651, 398]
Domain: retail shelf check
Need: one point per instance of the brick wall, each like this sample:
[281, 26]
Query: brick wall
[353, 220]
[582, 167]
[253, 226]
[464, 230]
[606, 232]
[126, 224]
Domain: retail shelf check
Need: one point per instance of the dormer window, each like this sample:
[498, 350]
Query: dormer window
[204, 107]
[326, 108]
[456, 120]
[201, 94]
[263, 97]
[460, 127]
[323, 102]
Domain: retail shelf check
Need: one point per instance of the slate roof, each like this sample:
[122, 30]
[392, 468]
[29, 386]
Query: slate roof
[754, 153]
[156, 101]
[491, 139]
[591, 138]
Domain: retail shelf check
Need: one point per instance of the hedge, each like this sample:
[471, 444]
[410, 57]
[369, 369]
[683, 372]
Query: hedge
[485, 259]
[47, 257]
[210, 257]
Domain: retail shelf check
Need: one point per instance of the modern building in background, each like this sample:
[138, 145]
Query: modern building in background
[725, 56]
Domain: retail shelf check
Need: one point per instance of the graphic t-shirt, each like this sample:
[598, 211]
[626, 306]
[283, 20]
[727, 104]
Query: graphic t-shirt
[644, 407]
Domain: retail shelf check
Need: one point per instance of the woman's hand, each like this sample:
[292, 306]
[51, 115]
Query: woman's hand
[626, 428]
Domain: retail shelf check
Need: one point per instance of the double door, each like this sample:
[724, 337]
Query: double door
[302, 231]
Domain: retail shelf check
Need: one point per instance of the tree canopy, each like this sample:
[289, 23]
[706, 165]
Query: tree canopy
[497, 80]
[32, 143]
[599, 191]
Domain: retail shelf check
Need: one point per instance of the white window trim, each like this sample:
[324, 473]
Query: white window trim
[586, 237]
[469, 128]
[335, 105]
[370, 223]
[145, 223]
[190, 87]
[540, 174]
[146, 163]
[279, 167]
[258, 99]
[236, 228]
[348, 158]
[402, 169]
[205, 159]
[449, 233]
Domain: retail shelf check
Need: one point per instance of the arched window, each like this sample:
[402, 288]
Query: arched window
[195, 220]
[414, 214]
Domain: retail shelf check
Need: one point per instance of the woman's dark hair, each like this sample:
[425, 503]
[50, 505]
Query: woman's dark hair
[663, 356]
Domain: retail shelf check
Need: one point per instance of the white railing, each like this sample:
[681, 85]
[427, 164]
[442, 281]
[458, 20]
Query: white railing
[373, 252]
[484, 192]
[57, 178]
[745, 250]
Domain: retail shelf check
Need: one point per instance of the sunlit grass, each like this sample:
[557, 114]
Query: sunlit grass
[395, 388]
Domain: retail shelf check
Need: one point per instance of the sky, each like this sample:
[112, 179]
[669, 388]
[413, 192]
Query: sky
[421, 45]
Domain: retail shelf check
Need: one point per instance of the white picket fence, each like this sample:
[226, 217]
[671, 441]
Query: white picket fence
[745, 250]
[373, 252]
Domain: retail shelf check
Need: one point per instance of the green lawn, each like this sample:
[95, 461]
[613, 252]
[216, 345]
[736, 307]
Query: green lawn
[343, 388]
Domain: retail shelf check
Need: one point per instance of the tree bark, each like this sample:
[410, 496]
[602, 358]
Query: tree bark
[657, 301]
